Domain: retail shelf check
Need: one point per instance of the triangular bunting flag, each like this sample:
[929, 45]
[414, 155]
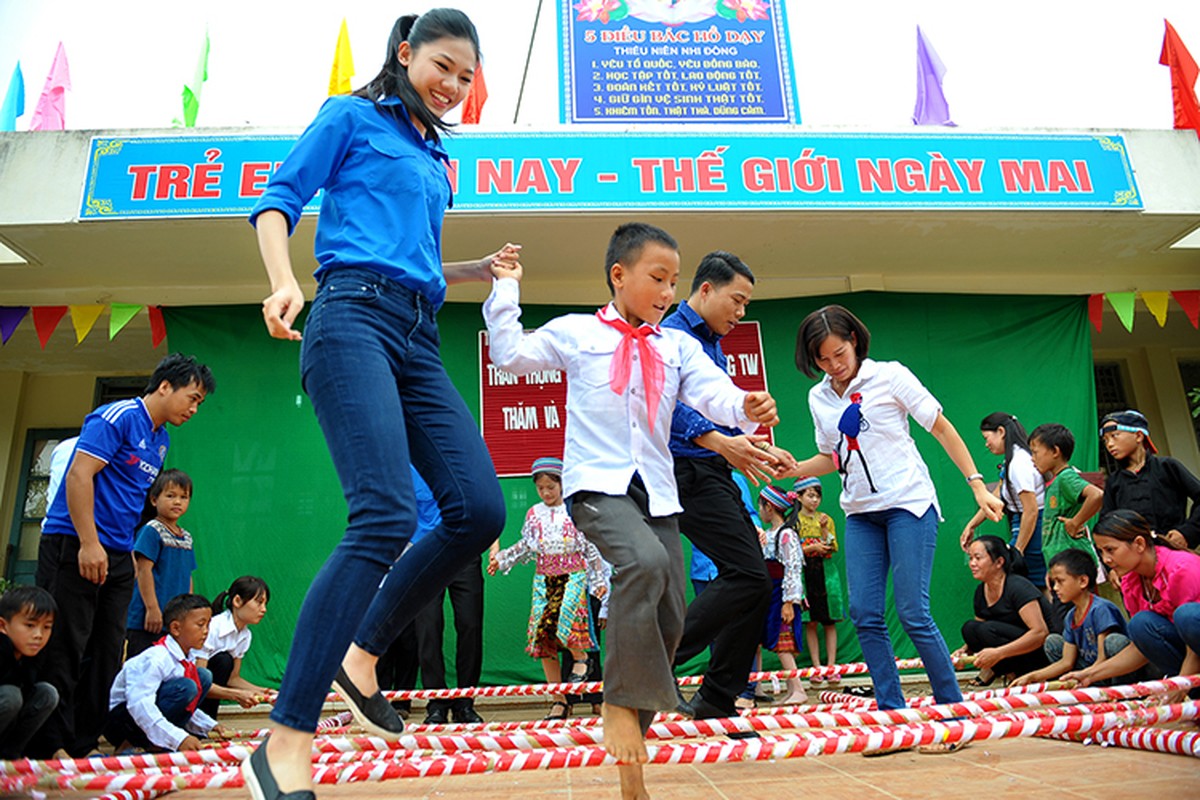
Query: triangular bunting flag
[83, 318]
[158, 326]
[1189, 301]
[1122, 303]
[10, 318]
[1096, 311]
[121, 314]
[1157, 303]
[343, 64]
[46, 319]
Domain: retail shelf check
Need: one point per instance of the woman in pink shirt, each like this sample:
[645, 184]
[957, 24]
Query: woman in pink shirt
[1161, 586]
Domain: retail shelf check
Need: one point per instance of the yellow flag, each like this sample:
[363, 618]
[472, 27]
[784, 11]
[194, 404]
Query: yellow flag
[1157, 303]
[83, 318]
[343, 64]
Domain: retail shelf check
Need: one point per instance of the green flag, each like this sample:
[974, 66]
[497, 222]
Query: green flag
[191, 91]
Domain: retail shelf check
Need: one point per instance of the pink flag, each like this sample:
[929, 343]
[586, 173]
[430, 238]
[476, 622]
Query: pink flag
[50, 114]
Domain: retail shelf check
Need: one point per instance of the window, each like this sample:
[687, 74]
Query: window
[1110, 397]
[1189, 372]
[32, 502]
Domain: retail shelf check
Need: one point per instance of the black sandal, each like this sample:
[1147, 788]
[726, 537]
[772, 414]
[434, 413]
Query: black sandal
[578, 677]
[561, 714]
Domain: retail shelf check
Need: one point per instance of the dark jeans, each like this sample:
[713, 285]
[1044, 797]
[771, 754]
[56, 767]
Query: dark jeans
[729, 613]
[221, 667]
[1165, 642]
[172, 699]
[978, 634]
[21, 716]
[83, 656]
[466, 601]
[370, 364]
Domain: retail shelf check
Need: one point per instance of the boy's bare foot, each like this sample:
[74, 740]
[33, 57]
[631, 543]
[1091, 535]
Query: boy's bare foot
[632, 785]
[623, 736]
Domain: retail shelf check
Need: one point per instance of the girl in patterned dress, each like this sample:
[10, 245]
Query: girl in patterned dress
[785, 564]
[567, 566]
[822, 583]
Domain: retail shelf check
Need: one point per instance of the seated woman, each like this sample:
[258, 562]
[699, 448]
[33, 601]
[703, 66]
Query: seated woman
[1160, 583]
[1010, 624]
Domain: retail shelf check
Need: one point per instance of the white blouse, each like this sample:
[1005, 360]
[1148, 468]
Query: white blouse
[1025, 478]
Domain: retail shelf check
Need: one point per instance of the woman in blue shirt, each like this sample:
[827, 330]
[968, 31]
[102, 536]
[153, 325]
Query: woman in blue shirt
[370, 364]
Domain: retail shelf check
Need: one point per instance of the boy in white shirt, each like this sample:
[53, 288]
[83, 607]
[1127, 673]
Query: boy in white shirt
[155, 697]
[624, 375]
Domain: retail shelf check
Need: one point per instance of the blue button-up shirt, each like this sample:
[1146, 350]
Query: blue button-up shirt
[687, 423]
[386, 190]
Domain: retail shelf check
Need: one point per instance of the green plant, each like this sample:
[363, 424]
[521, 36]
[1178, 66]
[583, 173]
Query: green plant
[1193, 397]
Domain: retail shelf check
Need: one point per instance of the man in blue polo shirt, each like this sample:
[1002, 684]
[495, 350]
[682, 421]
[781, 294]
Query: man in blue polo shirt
[84, 556]
[729, 613]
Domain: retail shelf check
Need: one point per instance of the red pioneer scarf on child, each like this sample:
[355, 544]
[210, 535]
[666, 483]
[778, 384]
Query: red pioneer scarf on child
[191, 673]
[622, 362]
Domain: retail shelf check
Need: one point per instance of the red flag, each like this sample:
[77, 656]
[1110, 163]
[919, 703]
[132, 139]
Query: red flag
[1189, 301]
[1096, 311]
[158, 326]
[1183, 80]
[46, 319]
[476, 97]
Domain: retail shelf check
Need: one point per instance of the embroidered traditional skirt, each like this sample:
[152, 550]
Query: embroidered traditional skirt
[558, 616]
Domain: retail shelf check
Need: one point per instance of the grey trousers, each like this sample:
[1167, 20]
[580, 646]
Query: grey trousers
[647, 606]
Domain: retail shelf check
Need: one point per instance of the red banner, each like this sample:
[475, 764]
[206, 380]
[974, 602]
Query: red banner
[525, 417]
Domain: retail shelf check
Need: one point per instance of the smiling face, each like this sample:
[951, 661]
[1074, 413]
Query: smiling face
[645, 289]
[994, 441]
[722, 308]
[27, 633]
[981, 564]
[810, 498]
[837, 358]
[440, 71]
[172, 502]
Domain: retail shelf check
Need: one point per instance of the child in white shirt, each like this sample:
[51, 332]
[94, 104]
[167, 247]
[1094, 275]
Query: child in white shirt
[624, 375]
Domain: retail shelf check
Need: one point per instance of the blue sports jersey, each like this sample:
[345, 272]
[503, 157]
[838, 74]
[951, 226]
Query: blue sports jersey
[123, 436]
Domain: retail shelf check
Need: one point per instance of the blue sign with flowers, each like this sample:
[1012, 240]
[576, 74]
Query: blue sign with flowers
[676, 61]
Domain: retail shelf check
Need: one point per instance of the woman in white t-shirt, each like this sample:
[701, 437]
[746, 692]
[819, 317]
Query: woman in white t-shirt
[1022, 489]
[860, 410]
[243, 604]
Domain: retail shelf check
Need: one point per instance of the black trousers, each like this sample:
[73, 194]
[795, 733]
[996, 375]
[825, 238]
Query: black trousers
[729, 614]
[978, 635]
[221, 667]
[84, 654]
[466, 601]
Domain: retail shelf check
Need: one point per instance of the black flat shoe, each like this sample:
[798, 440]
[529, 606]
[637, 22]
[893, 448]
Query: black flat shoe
[256, 774]
[437, 715]
[374, 713]
[682, 706]
[466, 715]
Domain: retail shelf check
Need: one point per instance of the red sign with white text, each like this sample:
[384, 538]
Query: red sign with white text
[525, 417]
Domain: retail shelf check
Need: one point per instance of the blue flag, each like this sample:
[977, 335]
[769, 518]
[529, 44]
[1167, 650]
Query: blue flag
[931, 108]
[14, 101]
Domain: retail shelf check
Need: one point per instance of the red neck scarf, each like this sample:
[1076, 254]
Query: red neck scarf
[191, 673]
[622, 362]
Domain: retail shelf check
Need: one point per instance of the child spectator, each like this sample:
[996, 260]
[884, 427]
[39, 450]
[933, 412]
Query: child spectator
[1095, 629]
[1157, 487]
[154, 702]
[785, 565]
[1022, 489]
[243, 604]
[26, 621]
[822, 583]
[164, 557]
[1070, 500]
[567, 566]
[1160, 582]
[625, 374]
